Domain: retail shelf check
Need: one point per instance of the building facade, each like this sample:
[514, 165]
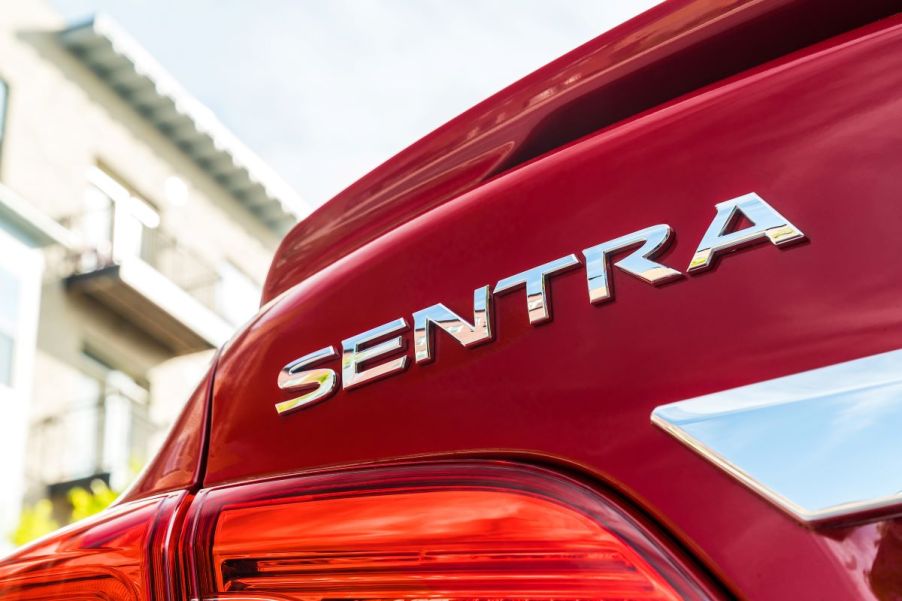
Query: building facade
[135, 232]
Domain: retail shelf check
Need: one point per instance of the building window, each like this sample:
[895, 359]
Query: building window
[9, 319]
[116, 222]
[4, 98]
[20, 273]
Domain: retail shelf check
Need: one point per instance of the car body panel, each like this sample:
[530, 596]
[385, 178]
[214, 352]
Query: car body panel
[530, 176]
[815, 134]
[675, 48]
[180, 462]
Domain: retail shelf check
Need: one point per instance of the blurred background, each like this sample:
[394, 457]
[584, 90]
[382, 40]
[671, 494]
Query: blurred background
[136, 225]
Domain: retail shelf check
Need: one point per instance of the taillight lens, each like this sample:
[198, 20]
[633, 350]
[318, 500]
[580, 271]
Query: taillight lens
[112, 556]
[440, 531]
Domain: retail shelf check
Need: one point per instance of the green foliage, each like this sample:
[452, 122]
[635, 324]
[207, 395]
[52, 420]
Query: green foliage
[35, 522]
[88, 502]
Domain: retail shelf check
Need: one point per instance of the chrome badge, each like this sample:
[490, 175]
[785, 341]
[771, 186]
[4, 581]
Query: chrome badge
[314, 385]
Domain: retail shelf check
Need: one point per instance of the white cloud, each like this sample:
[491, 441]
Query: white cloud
[325, 91]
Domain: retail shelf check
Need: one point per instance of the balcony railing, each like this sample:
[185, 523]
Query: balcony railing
[149, 278]
[108, 236]
[107, 434]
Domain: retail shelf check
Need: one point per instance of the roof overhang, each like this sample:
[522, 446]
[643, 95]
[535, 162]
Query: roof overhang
[103, 46]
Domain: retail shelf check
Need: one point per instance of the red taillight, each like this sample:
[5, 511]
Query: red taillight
[113, 556]
[448, 531]
[462, 531]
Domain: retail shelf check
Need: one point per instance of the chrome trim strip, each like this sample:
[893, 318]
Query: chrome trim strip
[821, 444]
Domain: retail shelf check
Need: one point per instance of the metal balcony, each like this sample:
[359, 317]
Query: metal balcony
[148, 278]
[104, 435]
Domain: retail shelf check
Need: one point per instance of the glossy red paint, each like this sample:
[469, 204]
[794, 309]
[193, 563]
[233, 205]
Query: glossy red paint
[364, 534]
[119, 554]
[179, 464]
[675, 48]
[816, 134]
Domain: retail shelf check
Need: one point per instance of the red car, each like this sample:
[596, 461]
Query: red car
[628, 329]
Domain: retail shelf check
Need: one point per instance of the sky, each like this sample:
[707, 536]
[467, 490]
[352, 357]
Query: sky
[325, 91]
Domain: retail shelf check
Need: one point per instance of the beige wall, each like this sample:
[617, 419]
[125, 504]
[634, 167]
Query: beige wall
[62, 119]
